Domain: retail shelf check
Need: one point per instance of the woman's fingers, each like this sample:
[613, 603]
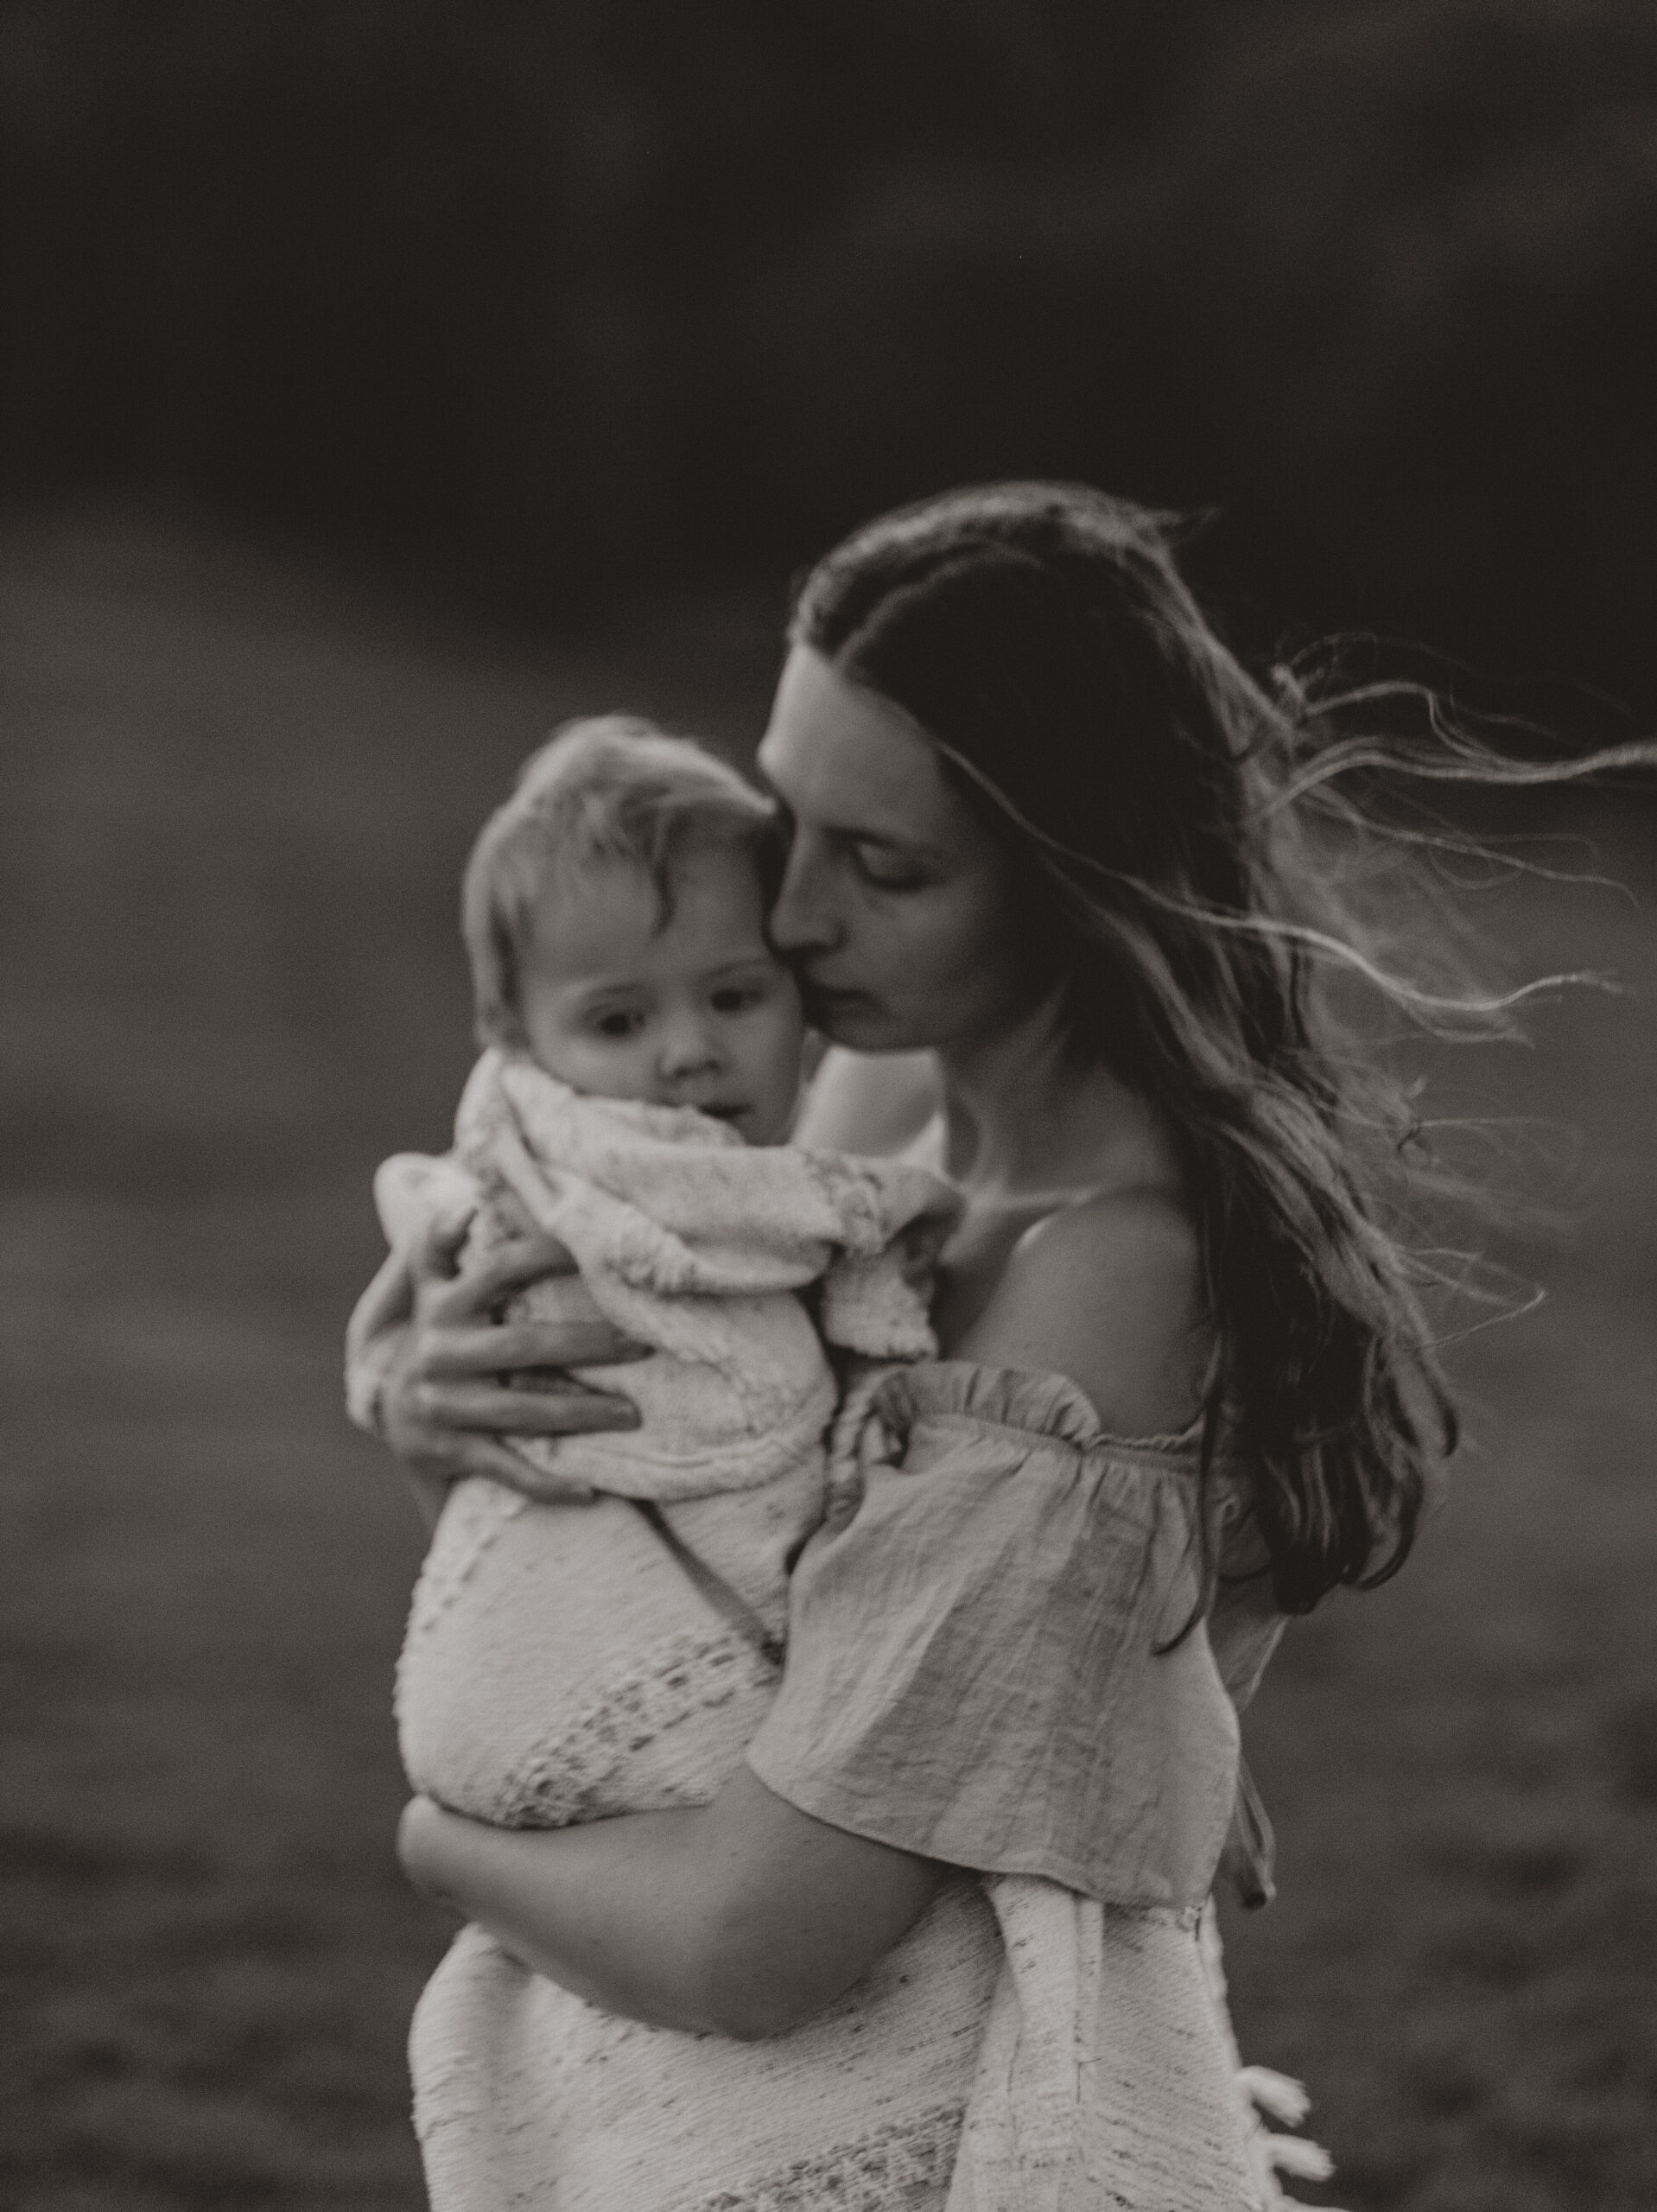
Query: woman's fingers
[443, 1410]
[387, 1300]
[432, 1255]
[506, 1269]
[553, 1344]
[490, 1405]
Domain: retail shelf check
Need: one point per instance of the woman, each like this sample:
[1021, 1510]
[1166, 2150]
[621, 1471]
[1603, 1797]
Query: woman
[1051, 863]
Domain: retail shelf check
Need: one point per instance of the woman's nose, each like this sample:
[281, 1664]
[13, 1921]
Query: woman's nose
[800, 918]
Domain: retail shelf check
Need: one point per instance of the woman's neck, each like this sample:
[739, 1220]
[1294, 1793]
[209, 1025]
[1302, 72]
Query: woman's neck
[1026, 1116]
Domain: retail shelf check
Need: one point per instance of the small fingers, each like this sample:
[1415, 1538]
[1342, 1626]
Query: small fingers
[472, 1406]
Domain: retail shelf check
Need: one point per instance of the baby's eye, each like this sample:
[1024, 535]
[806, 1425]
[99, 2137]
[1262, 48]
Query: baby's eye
[737, 998]
[885, 869]
[619, 1022]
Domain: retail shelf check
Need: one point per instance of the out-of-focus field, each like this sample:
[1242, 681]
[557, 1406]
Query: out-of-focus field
[233, 815]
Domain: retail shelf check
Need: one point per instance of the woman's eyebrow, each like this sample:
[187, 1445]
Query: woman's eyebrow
[855, 833]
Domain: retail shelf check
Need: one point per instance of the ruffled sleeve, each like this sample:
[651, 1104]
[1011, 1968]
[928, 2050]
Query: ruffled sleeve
[973, 1670]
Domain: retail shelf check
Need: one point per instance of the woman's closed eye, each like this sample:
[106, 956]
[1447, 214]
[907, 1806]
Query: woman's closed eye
[888, 867]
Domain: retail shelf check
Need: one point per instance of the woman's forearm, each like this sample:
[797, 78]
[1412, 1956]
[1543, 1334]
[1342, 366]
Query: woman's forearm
[741, 1918]
[602, 1909]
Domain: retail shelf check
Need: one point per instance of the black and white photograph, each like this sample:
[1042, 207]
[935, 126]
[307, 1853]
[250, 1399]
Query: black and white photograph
[829, 848]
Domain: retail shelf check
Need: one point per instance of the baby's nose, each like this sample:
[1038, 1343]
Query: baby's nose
[688, 1047]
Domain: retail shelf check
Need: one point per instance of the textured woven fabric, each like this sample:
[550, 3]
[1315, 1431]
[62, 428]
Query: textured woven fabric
[527, 2098]
[1106, 2075]
[976, 1669]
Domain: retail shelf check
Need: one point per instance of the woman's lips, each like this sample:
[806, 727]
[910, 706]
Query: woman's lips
[824, 999]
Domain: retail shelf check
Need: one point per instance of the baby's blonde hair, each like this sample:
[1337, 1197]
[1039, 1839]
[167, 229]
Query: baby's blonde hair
[608, 790]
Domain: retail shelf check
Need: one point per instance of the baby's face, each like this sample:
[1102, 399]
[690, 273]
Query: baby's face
[697, 1011]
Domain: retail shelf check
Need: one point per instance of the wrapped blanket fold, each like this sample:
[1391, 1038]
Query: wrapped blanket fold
[694, 1242]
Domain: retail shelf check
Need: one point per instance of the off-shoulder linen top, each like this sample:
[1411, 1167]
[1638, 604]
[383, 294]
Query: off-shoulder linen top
[985, 1662]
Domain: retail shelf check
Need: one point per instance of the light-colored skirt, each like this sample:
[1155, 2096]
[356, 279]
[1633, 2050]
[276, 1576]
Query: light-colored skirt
[1080, 2045]
[527, 2097]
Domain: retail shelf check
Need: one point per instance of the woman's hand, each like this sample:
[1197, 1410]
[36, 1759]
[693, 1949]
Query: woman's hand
[442, 1404]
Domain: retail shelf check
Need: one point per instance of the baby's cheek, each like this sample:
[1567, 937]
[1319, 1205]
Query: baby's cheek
[601, 1070]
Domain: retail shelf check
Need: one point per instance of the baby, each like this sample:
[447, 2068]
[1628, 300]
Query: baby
[642, 1065]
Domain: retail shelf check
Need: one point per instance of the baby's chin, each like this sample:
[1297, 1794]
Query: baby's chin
[753, 1126]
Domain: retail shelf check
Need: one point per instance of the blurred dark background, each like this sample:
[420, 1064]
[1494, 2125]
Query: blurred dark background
[384, 384]
[572, 295]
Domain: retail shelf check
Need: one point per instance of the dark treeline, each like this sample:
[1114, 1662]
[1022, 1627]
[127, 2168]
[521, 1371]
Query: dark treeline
[603, 291]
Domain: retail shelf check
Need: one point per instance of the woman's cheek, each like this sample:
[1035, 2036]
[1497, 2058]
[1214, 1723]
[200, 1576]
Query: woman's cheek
[905, 939]
[971, 960]
[952, 938]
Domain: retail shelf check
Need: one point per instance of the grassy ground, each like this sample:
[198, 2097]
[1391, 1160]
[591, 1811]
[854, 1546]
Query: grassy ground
[233, 821]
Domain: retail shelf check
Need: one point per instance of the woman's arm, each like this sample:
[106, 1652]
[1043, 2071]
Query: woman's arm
[741, 1918]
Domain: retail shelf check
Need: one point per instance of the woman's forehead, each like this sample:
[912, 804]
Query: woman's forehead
[840, 756]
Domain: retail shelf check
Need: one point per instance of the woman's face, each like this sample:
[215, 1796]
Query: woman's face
[895, 911]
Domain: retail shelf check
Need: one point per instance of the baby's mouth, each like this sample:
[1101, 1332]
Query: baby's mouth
[724, 1113]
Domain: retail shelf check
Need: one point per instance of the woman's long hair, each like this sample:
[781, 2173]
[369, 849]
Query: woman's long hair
[1190, 857]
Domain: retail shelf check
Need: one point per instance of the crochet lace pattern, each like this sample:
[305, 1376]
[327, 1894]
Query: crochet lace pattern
[906, 2163]
[694, 1671]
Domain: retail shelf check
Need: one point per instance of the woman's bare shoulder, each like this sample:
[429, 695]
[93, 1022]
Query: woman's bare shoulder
[1110, 1294]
